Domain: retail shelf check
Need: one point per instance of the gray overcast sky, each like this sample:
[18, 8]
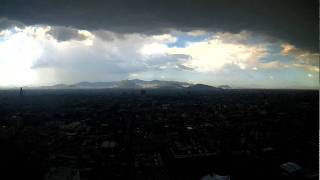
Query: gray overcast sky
[295, 21]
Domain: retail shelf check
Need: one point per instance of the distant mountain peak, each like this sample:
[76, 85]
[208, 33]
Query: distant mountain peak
[202, 87]
[137, 84]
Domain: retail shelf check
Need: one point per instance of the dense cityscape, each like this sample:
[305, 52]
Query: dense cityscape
[159, 90]
[159, 134]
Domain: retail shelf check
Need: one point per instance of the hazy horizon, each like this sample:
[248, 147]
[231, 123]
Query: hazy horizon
[191, 83]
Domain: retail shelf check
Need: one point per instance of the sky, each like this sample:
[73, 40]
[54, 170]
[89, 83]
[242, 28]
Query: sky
[245, 44]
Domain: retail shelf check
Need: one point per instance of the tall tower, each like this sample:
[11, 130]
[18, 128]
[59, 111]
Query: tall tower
[21, 91]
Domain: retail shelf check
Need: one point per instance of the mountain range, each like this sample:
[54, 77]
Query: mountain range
[136, 84]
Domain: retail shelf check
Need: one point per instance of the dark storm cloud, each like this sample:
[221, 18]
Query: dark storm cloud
[295, 21]
[7, 24]
[65, 33]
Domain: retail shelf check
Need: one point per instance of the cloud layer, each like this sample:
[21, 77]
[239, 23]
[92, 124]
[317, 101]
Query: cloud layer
[39, 55]
[293, 21]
